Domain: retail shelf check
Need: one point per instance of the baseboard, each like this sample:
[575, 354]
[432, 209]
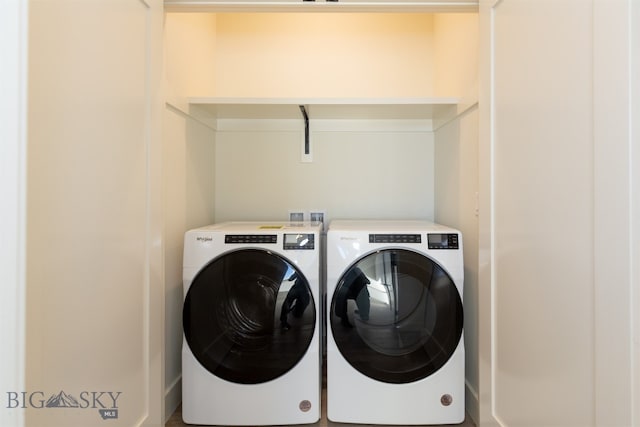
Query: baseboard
[172, 398]
[472, 403]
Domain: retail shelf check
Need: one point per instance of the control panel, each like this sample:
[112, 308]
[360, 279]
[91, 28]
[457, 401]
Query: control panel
[395, 238]
[250, 238]
[443, 241]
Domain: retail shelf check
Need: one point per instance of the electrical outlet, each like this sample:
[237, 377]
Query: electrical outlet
[317, 215]
[296, 216]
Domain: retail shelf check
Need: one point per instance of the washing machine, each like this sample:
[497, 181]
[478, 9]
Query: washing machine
[251, 319]
[395, 347]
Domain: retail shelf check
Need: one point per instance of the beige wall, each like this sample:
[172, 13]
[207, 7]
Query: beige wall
[188, 169]
[456, 205]
[341, 55]
[354, 174]
[93, 303]
[324, 55]
[190, 56]
[189, 153]
[456, 53]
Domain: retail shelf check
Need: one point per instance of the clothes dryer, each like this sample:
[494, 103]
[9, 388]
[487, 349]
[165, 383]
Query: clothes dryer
[395, 348]
[251, 320]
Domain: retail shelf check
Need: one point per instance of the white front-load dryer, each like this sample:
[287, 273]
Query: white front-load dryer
[251, 319]
[395, 348]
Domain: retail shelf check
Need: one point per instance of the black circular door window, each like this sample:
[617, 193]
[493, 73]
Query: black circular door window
[396, 316]
[249, 316]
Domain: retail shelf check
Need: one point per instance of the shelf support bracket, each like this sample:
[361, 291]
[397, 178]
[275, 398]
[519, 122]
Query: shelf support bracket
[306, 154]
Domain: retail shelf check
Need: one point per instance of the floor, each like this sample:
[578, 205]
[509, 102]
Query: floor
[176, 421]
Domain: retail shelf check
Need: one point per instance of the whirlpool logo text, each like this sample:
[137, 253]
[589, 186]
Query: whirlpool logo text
[106, 402]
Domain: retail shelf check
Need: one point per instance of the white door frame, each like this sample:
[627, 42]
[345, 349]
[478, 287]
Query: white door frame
[13, 83]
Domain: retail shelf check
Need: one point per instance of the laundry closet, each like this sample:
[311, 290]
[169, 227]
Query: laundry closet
[391, 103]
[514, 121]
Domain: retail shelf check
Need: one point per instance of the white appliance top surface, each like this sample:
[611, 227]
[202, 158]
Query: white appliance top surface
[266, 227]
[388, 226]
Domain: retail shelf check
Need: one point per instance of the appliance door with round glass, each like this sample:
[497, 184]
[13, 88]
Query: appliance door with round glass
[396, 316]
[249, 316]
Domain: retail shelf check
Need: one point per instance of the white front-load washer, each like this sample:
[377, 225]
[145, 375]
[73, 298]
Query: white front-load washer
[251, 319]
[395, 348]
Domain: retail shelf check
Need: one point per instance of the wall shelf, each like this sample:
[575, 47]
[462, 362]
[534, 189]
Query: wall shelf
[430, 6]
[437, 110]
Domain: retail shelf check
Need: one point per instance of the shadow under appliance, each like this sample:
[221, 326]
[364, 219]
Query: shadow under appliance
[395, 348]
[251, 321]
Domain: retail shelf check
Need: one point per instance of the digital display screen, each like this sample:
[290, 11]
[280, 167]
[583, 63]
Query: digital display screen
[442, 241]
[438, 239]
[298, 241]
